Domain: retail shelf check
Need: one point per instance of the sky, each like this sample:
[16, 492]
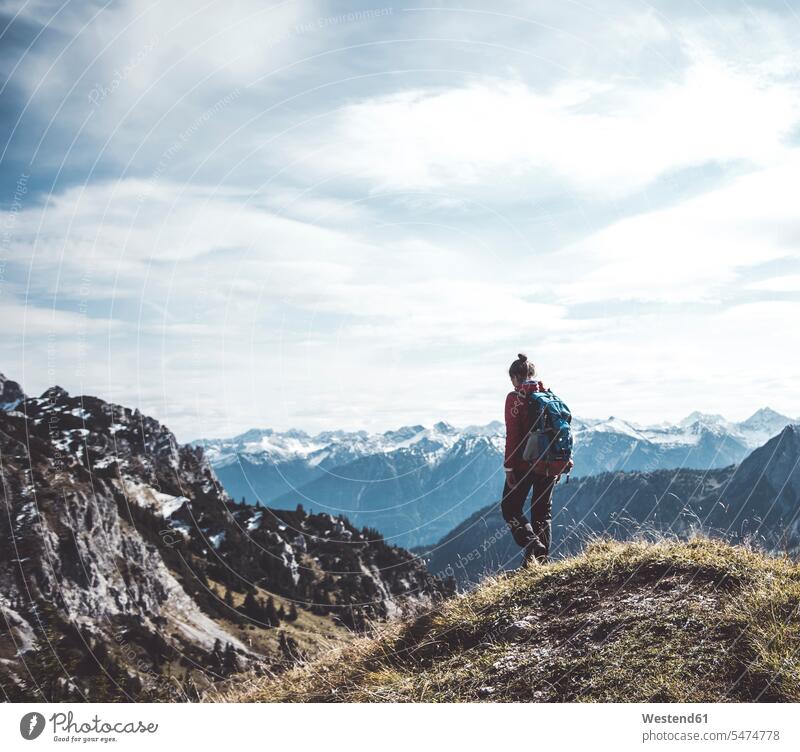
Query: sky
[353, 215]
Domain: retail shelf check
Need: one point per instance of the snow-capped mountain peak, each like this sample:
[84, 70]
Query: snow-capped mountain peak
[708, 419]
[765, 418]
[617, 426]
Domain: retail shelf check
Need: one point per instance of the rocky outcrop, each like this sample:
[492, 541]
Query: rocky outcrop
[11, 393]
[124, 562]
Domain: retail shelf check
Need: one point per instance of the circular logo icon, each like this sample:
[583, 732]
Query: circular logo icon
[31, 725]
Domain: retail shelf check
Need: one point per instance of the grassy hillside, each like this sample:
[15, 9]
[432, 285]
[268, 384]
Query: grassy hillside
[311, 634]
[668, 622]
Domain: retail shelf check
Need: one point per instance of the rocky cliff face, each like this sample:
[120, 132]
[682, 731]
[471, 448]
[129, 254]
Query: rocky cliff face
[124, 563]
[11, 393]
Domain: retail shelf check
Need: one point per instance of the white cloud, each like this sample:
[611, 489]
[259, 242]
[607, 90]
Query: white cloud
[694, 250]
[180, 238]
[138, 47]
[601, 138]
[37, 321]
[786, 283]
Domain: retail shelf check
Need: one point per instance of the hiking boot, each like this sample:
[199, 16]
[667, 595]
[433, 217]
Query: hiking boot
[528, 558]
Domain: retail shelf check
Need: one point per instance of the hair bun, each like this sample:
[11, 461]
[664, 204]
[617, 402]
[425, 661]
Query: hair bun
[522, 356]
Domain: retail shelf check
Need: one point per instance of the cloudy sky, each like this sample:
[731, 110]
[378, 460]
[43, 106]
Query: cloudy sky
[346, 215]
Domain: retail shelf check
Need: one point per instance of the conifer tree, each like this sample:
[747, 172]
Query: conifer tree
[250, 606]
[270, 614]
[217, 655]
[230, 662]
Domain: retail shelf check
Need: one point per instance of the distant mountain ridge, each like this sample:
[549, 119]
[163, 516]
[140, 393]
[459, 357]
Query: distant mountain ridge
[416, 483]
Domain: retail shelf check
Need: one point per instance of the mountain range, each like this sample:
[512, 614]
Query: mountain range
[127, 572]
[415, 484]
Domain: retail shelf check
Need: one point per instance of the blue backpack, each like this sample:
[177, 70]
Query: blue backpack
[549, 444]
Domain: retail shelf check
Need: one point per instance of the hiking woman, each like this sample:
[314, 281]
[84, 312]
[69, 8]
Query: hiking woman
[534, 536]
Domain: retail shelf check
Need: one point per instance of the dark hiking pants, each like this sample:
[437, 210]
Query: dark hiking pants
[534, 536]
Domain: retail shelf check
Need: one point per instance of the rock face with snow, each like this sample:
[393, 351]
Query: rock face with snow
[756, 501]
[119, 545]
[416, 483]
[615, 444]
[11, 393]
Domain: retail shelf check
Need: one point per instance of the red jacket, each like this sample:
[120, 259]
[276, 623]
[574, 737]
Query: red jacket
[518, 425]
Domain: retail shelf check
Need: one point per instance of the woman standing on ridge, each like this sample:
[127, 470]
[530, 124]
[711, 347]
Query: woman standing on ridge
[533, 536]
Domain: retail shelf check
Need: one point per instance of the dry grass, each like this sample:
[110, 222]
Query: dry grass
[670, 621]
